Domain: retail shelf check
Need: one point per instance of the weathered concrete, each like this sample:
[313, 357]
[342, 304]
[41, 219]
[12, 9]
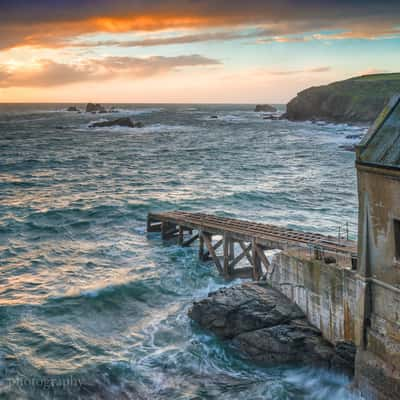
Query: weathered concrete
[378, 360]
[378, 174]
[324, 292]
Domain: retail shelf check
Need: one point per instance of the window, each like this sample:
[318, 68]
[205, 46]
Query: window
[397, 239]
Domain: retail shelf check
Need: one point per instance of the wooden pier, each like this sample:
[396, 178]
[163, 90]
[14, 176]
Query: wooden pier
[252, 240]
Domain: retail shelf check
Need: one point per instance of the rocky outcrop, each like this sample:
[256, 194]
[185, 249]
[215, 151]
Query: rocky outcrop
[359, 99]
[126, 122]
[93, 108]
[263, 324]
[265, 108]
[72, 108]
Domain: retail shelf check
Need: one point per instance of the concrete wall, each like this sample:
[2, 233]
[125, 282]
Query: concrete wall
[325, 292]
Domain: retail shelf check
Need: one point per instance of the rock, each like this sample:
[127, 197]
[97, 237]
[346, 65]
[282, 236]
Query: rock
[95, 108]
[359, 99]
[265, 108]
[272, 117]
[293, 342]
[72, 108]
[354, 136]
[348, 147]
[344, 358]
[263, 324]
[213, 116]
[127, 122]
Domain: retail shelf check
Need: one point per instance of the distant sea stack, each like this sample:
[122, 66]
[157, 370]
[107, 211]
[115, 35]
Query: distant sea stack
[265, 108]
[357, 99]
[95, 108]
[126, 122]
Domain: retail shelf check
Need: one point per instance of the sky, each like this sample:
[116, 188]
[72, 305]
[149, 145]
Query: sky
[190, 51]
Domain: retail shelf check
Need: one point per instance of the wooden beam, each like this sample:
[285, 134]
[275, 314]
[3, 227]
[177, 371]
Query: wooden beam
[190, 241]
[239, 257]
[211, 250]
[153, 225]
[218, 244]
[262, 256]
[246, 251]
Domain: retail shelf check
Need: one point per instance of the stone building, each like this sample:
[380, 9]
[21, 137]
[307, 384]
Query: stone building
[378, 308]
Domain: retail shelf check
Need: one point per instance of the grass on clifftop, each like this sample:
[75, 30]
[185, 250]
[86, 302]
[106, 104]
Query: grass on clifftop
[378, 77]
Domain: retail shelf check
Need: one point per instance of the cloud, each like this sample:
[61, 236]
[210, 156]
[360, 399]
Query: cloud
[50, 23]
[301, 71]
[48, 73]
[373, 71]
[181, 39]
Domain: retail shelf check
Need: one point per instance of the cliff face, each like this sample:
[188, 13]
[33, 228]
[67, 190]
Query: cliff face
[354, 100]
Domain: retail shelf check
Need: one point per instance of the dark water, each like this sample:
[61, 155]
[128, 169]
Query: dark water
[92, 307]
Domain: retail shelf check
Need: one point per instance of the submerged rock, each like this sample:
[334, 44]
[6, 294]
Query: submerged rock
[127, 122]
[265, 108]
[91, 107]
[263, 324]
[72, 108]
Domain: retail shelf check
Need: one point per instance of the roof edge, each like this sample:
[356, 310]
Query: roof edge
[380, 120]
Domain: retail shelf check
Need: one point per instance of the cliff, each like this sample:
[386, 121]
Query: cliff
[357, 99]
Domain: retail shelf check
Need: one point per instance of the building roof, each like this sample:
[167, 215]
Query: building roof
[381, 145]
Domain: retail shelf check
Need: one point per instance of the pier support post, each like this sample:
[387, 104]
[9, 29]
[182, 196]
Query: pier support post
[211, 250]
[180, 235]
[168, 230]
[227, 254]
[201, 246]
[257, 271]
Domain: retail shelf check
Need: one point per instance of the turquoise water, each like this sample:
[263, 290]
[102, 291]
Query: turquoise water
[93, 307]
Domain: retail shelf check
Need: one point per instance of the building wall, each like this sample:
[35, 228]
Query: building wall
[378, 356]
[379, 205]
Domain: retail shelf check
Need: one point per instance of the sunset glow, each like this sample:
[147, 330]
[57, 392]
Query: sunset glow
[182, 51]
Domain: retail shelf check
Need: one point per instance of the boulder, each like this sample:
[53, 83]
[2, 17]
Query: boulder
[127, 122]
[263, 324]
[72, 108]
[90, 107]
[265, 108]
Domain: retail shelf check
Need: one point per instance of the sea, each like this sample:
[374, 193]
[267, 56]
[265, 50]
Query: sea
[93, 307]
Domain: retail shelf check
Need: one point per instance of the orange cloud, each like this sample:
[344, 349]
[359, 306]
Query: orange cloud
[52, 24]
[48, 73]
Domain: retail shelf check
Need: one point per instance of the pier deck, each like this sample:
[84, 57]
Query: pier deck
[252, 238]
